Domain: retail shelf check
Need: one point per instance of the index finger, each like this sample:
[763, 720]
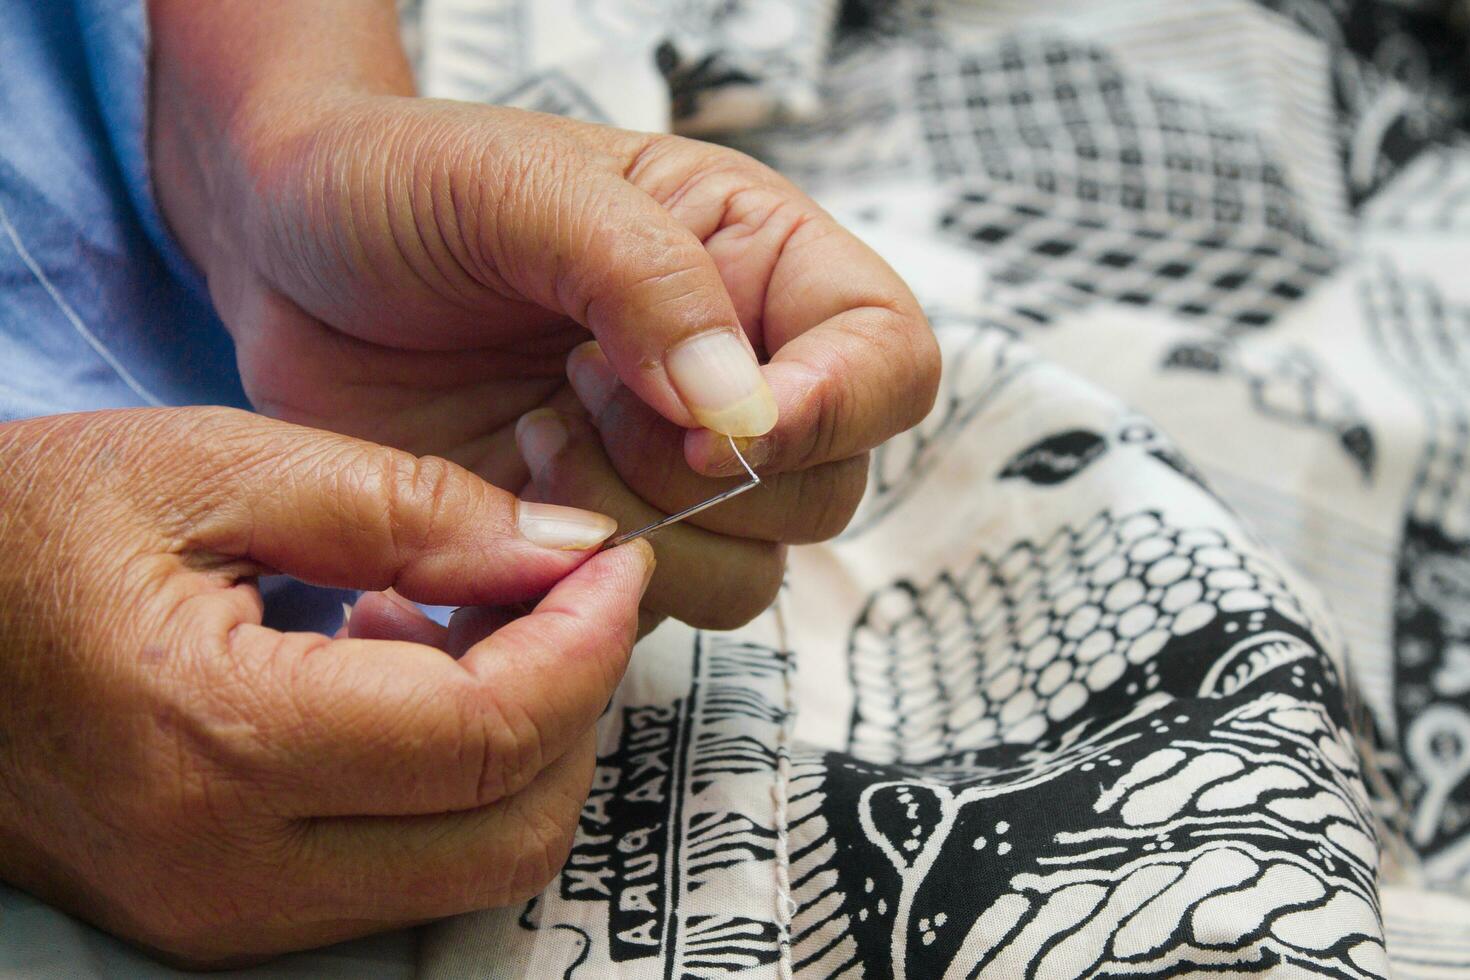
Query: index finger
[373, 727]
[852, 358]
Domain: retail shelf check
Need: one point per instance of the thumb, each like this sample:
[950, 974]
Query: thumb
[342, 512]
[651, 295]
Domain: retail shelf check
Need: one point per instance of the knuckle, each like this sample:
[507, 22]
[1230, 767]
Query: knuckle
[679, 276]
[650, 155]
[546, 842]
[813, 420]
[531, 172]
[637, 259]
[508, 750]
[218, 442]
[206, 449]
[834, 407]
[673, 168]
[516, 183]
[418, 493]
[668, 166]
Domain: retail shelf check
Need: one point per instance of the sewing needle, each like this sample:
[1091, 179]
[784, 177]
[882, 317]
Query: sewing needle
[659, 525]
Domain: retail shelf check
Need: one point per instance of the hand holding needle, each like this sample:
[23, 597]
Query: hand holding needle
[719, 498]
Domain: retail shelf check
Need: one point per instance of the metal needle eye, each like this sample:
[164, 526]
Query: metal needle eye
[659, 525]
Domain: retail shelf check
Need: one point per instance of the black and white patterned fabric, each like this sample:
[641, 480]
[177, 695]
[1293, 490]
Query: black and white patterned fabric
[1148, 653]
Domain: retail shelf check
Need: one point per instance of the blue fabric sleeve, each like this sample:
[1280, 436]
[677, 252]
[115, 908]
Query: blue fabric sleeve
[99, 308]
[115, 37]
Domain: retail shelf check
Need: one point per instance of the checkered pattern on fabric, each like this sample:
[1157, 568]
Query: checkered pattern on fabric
[1053, 255]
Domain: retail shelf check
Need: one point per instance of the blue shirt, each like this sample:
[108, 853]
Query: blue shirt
[98, 308]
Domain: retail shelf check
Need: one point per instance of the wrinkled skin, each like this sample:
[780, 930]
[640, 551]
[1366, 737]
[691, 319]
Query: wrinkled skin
[215, 790]
[416, 272]
[420, 275]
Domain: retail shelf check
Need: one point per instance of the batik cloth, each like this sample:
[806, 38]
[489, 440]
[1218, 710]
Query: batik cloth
[1148, 653]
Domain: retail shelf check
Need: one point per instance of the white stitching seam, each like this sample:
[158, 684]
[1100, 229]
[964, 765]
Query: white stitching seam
[786, 907]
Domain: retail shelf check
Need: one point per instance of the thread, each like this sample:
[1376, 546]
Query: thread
[751, 483]
[786, 907]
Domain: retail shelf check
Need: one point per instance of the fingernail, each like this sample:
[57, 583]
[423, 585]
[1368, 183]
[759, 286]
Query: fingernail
[562, 528]
[721, 383]
[346, 615]
[392, 596]
[756, 451]
[540, 435]
[649, 568]
[592, 377]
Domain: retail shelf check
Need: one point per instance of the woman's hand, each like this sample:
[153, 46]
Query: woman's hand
[417, 272]
[188, 779]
